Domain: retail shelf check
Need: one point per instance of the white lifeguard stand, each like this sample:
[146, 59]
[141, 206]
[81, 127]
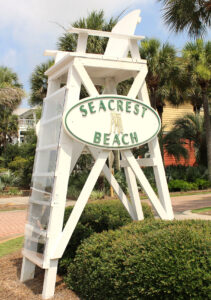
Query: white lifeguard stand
[57, 153]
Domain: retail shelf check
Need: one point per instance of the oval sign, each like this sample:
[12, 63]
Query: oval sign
[112, 122]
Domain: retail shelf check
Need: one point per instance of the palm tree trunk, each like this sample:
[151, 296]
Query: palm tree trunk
[208, 132]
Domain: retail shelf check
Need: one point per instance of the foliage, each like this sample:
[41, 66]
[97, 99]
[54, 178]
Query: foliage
[190, 174]
[191, 15]
[197, 56]
[144, 260]
[11, 93]
[96, 195]
[73, 192]
[9, 179]
[202, 184]
[165, 78]
[181, 185]
[189, 128]
[95, 20]
[121, 179]
[39, 83]
[96, 217]
[20, 159]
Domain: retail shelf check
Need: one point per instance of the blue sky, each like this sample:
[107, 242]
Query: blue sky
[28, 27]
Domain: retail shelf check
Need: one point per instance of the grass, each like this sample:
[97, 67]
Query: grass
[11, 246]
[200, 210]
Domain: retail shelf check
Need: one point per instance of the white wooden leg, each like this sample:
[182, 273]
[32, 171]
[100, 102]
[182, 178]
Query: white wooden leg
[160, 178]
[77, 149]
[145, 184]
[27, 271]
[111, 179]
[50, 280]
[134, 194]
[79, 206]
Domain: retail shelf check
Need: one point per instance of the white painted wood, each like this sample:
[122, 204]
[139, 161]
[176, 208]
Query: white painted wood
[137, 83]
[111, 179]
[27, 271]
[70, 55]
[120, 48]
[82, 42]
[160, 179]
[58, 117]
[49, 280]
[85, 78]
[145, 184]
[40, 191]
[134, 193]
[35, 259]
[143, 162]
[159, 171]
[49, 147]
[59, 55]
[79, 206]
[105, 33]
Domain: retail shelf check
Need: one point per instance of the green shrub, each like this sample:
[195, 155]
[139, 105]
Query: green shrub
[202, 184]
[96, 217]
[73, 192]
[189, 174]
[95, 195]
[145, 260]
[181, 185]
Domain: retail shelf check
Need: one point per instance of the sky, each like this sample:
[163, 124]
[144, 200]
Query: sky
[29, 27]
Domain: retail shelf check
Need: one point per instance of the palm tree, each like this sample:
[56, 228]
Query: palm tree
[187, 129]
[95, 20]
[68, 42]
[197, 56]
[164, 79]
[191, 15]
[11, 93]
[39, 83]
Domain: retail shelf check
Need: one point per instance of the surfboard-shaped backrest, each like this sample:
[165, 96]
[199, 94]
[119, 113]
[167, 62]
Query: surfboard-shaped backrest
[119, 47]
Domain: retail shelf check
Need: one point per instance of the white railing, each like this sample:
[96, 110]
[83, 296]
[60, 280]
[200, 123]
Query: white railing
[26, 122]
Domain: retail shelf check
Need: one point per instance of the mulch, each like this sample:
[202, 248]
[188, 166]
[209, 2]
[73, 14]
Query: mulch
[11, 288]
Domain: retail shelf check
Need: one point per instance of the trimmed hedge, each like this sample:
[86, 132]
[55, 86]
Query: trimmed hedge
[145, 260]
[97, 216]
[181, 185]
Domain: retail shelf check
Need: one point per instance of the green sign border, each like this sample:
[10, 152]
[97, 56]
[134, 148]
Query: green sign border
[113, 97]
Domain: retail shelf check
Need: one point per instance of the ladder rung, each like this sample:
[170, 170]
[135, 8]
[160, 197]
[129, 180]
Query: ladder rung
[35, 239]
[36, 230]
[61, 90]
[35, 257]
[40, 202]
[51, 120]
[40, 191]
[49, 147]
[43, 174]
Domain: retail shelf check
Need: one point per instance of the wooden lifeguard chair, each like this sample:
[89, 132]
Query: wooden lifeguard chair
[57, 153]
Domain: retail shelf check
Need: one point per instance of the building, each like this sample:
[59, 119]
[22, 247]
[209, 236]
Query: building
[26, 121]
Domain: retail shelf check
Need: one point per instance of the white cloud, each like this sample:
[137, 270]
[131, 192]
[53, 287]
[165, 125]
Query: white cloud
[9, 59]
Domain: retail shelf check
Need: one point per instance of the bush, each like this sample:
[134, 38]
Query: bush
[96, 217]
[95, 195]
[189, 174]
[181, 185]
[73, 192]
[202, 184]
[145, 260]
